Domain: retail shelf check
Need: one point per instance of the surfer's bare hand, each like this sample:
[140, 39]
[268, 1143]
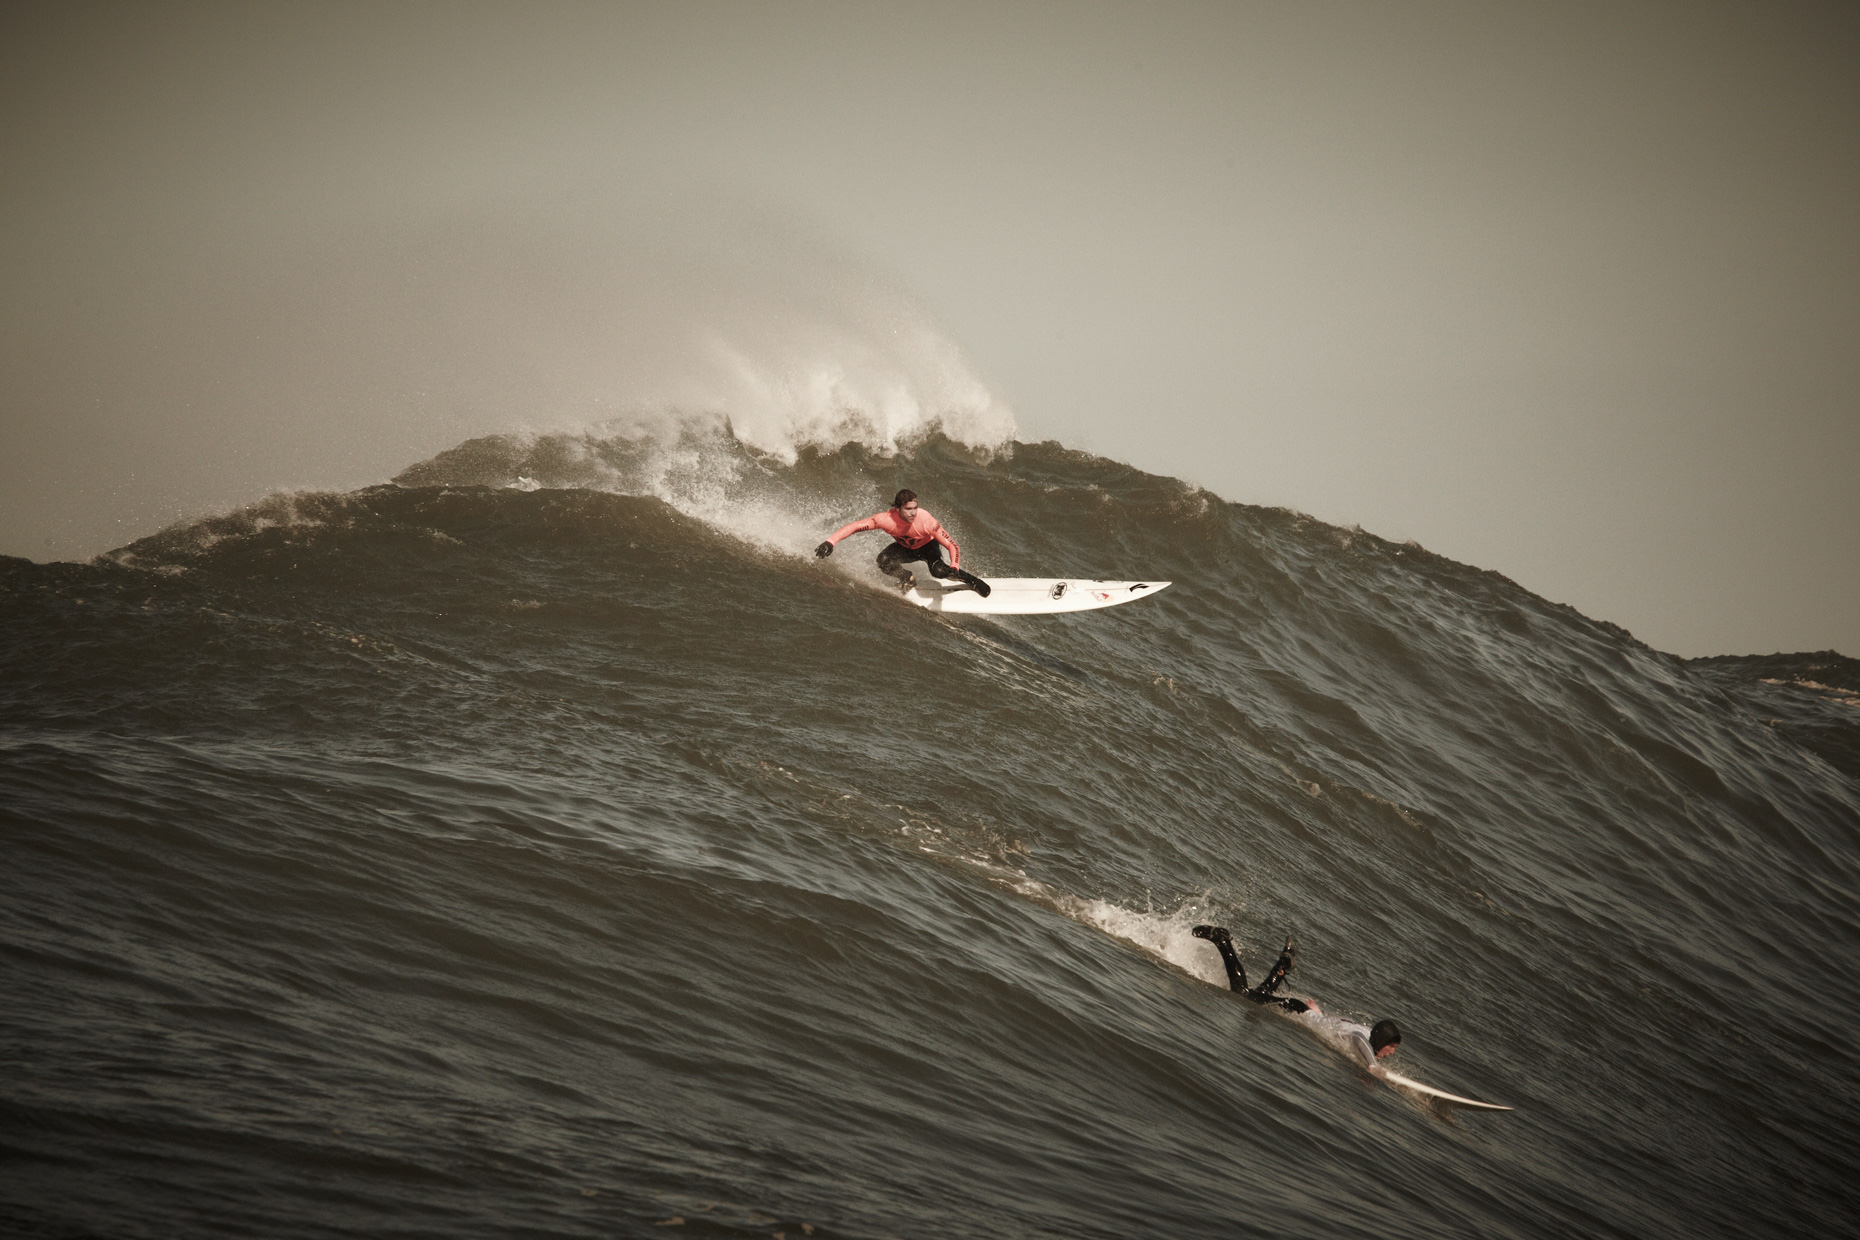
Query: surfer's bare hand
[824, 550]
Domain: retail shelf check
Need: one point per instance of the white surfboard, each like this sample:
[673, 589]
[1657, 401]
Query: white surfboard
[1027, 596]
[1439, 1095]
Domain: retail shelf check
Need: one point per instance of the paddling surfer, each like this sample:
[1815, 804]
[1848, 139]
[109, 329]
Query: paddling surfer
[917, 536]
[1369, 1043]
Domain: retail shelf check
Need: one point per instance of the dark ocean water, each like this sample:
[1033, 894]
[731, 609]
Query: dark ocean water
[446, 859]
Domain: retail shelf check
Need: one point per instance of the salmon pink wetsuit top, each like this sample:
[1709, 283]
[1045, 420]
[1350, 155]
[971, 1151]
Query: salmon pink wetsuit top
[912, 534]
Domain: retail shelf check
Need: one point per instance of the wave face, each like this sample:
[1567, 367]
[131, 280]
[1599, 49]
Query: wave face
[450, 858]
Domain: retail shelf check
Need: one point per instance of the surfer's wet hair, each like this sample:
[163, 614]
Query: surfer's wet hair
[903, 497]
[1384, 1034]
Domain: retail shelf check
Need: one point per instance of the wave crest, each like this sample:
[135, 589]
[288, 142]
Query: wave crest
[832, 388]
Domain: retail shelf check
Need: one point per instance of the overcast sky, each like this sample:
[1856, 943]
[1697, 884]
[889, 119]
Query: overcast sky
[1569, 292]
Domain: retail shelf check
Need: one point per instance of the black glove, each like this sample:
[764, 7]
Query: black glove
[824, 550]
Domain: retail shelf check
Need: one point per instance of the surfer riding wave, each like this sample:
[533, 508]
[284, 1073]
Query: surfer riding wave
[917, 536]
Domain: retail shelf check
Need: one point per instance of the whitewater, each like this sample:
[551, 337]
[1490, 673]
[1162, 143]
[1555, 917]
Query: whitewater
[545, 844]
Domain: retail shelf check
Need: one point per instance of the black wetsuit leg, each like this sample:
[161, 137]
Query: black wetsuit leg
[892, 559]
[1280, 968]
[1263, 993]
[1236, 972]
[1224, 943]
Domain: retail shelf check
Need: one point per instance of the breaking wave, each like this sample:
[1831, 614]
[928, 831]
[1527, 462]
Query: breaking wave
[546, 843]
